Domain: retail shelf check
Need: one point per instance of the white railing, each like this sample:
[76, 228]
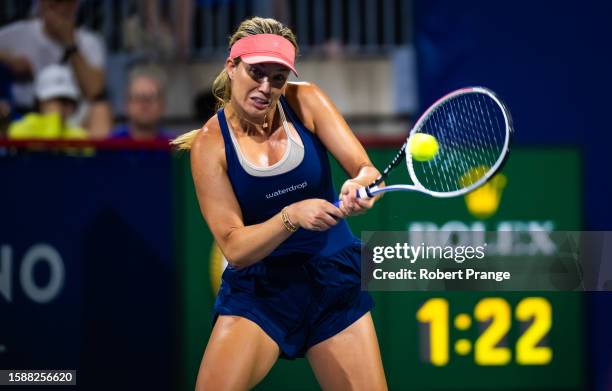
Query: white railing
[357, 26]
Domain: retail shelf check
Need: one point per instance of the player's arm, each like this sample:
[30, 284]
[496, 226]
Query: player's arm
[325, 120]
[243, 245]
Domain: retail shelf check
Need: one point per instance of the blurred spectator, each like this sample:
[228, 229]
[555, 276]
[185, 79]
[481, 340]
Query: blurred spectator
[57, 97]
[184, 27]
[5, 101]
[148, 31]
[160, 29]
[5, 115]
[145, 105]
[28, 46]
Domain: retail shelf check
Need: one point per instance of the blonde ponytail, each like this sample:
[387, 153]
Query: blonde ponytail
[222, 88]
[185, 140]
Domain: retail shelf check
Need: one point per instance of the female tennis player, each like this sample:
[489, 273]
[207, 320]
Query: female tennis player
[263, 181]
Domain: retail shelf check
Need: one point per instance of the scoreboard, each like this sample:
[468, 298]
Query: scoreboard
[476, 341]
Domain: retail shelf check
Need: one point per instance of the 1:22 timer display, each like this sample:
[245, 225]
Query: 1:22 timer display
[494, 317]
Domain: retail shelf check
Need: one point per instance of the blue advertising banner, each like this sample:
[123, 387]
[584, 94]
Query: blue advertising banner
[86, 270]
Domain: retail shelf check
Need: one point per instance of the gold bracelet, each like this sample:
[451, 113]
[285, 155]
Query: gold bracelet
[289, 226]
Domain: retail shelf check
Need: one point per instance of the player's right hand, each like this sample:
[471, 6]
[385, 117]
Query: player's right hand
[314, 214]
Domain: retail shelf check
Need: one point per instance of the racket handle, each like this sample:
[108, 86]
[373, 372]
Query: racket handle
[363, 192]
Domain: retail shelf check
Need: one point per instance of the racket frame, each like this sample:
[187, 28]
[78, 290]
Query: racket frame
[373, 189]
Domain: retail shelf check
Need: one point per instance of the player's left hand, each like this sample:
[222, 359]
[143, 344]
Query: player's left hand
[350, 205]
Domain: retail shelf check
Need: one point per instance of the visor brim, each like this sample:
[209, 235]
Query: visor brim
[259, 58]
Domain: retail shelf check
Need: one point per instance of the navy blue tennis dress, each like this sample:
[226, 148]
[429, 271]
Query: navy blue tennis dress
[309, 288]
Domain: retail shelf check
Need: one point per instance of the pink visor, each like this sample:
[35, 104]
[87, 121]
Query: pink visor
[265, 48]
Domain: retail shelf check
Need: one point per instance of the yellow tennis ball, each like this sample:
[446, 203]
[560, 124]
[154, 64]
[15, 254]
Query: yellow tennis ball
[422, 147]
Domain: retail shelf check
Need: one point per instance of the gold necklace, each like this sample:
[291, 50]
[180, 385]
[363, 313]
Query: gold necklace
[264, 125]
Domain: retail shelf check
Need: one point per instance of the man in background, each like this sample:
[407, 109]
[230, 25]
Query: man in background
[145, 105]
[28, 46]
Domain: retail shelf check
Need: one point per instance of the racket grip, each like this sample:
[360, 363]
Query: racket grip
[361, 193]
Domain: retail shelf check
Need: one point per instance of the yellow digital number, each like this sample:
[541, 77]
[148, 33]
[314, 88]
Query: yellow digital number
[527, 351]
[486, 351]
[435, 313]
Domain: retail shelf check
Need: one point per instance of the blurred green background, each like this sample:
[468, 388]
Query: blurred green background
[524, 201]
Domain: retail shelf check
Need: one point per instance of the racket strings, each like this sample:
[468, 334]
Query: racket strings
[463, 161]
[453, 160]
[484, 112]
[446, 164]
[475, 144]
[471, 132]
[476, 119]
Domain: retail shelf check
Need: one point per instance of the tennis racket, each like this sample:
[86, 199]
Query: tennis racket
[473, 129]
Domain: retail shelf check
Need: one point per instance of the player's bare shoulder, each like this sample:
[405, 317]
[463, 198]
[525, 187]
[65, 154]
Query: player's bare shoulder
[304, 99]
[209, 143]
[302, 90]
